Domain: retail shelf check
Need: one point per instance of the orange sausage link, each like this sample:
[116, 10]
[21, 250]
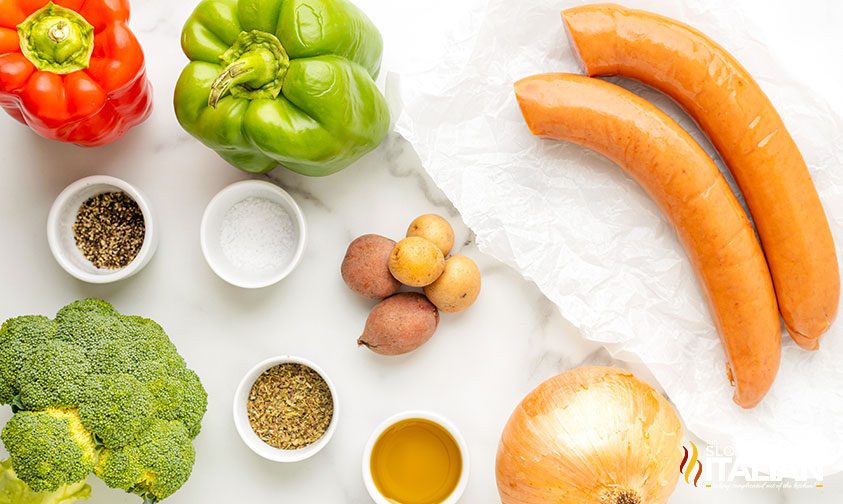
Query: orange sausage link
[690, 190]
[749, 134]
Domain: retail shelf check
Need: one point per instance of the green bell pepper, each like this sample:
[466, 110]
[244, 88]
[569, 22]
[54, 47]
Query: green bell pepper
[282, 82]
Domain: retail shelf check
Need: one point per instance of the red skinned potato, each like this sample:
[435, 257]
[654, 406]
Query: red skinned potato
[365, 268]
[400, 324]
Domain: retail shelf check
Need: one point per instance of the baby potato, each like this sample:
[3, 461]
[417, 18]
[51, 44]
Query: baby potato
[416, 262]
[458, 287]
[365, 268]
[433, 228]
[400, 324]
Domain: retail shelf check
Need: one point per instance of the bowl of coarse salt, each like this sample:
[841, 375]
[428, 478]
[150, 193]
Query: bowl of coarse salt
[253, 234]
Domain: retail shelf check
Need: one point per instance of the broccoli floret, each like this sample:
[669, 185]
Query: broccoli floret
[154, 466]
[85, 308]
[54, 376]
[116, 408]
[7, 391]
[95, 385]
[150, 346]
[88, 324]
[49, 449]
[138, 346]
[19, 338]
[180, 396]
[15, 491]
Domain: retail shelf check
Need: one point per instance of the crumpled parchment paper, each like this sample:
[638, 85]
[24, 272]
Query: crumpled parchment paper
[573, 223]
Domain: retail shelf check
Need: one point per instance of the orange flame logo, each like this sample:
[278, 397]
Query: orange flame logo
[690, 462]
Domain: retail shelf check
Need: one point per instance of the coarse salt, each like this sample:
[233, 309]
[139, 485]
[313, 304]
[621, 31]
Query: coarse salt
[258, 235]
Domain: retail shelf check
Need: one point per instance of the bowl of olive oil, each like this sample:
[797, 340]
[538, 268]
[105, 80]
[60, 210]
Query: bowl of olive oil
[416, 457]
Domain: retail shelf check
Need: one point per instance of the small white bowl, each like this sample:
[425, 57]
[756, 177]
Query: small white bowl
[408, 415]
[212, 229]
[244, 428]
[62, 241]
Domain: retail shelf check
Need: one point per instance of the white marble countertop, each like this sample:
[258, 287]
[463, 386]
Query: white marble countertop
[474, 371]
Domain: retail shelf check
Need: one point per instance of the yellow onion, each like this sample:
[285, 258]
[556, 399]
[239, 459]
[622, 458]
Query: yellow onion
[593, 435]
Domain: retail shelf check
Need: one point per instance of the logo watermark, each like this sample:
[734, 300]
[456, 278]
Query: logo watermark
[718, 467]
[691, 465]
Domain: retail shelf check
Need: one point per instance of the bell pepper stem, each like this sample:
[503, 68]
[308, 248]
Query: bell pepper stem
[56, 39]
[224, 82]
[253, 70]
[255, 67]
[59, 32]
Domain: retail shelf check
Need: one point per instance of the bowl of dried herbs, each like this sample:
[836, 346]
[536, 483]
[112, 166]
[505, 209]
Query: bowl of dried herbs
[285, 409]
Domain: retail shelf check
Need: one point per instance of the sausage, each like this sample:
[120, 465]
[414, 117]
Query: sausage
[686, 184]
[744, 127]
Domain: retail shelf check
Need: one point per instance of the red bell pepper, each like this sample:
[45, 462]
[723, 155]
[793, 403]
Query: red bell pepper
[71, 69]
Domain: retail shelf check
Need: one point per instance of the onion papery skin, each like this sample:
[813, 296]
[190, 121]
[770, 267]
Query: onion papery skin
[593, 435]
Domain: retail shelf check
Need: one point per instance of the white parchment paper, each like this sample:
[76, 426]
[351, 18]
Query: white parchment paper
[594, 243]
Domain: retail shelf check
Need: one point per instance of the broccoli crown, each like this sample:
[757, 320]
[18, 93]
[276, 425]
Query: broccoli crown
[116, 407]
[139, 468]
[49, 448]
[94, 374]
[19, 338]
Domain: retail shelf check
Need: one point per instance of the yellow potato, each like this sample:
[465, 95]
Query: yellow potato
[416, 262]
[433, 228]
[457, 288]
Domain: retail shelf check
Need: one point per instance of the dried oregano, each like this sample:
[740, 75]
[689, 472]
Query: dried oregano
[290, 406]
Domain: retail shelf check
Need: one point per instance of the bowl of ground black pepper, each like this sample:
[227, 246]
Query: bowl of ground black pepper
[101, 229]
[285, 409]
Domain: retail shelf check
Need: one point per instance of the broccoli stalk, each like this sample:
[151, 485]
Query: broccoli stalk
[14, 491]
[94, 391]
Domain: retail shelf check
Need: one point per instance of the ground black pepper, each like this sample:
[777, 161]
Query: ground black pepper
[109, 230]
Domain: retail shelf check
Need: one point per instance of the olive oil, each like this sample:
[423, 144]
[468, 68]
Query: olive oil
[416, 461]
